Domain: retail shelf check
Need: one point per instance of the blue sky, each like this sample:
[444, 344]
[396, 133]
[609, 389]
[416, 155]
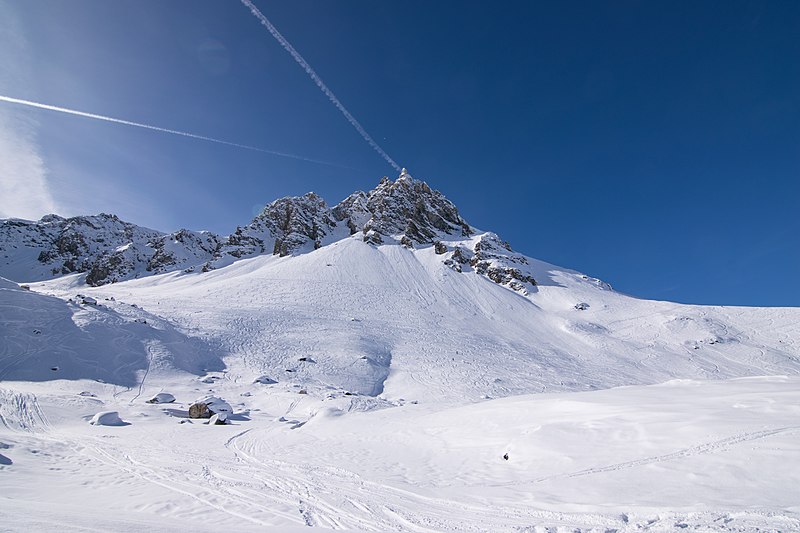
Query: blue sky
[655, 145]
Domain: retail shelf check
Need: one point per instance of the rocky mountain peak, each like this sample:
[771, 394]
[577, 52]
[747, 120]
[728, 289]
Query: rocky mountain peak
[405, 209]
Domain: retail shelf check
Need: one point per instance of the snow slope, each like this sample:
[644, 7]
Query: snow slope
[398, 322]
[379, 364]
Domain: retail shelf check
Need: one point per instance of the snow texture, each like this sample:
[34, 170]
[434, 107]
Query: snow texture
[407, 353]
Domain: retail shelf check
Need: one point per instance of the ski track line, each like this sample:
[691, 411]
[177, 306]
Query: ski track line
[296, 491]
[146, 371]
[709, 447]
[150, 475]
[22, 410]
[418, 513]
[313, 507]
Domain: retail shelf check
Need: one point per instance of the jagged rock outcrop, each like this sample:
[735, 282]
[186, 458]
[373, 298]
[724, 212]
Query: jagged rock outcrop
[402, 208]
[106, 248]
[181, 250]
[458, 259]
[296, 223]
[496, 260]
[66, 245]
[353, 211]
[286, 226]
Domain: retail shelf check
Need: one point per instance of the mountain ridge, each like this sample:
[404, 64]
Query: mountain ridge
[108, 250]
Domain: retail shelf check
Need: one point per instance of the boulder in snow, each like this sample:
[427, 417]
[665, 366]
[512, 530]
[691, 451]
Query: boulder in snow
[107, 418]
[162, 397]
[208, 406]
[88, 300]
[264, 380]
[583, 306]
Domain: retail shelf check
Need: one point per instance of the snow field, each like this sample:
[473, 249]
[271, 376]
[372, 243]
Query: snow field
[400, 385]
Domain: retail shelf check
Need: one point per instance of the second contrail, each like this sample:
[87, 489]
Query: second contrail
[324, 88]
[163, 130]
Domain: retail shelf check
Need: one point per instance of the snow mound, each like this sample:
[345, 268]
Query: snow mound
[218, 419]
[162, 397]
[107, 418]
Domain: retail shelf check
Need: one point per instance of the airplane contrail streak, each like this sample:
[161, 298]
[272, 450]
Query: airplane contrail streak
[47, 107]
[315, 77]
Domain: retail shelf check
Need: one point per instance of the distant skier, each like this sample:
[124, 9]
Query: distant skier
[505, 456]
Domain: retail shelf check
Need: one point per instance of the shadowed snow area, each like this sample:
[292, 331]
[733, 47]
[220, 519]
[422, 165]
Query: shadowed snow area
[47, 338]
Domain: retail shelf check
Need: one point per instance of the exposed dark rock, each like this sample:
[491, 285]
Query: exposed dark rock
[439, 247]
[101, 272]
[494, 259]
[459, 258]
[106, 248]
[199, 410]
[209, 406]
[404, 207]
[295, 222]
[373, 237]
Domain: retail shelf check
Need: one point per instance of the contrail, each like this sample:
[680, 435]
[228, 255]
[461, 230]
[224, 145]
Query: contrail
[163, 130]
[324, 88]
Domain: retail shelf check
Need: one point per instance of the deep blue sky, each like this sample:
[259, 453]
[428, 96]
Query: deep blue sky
[655, 145]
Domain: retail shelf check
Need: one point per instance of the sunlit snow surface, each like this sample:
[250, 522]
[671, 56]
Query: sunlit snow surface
[627, 415]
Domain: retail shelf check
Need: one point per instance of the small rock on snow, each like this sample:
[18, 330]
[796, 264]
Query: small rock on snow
[162, 397]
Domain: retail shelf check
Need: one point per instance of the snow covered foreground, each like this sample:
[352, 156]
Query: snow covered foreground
[689, 455]
[377, 386]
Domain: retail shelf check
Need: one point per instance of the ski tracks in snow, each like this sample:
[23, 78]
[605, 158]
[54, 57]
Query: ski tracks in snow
[700, 449]
[21, 412]
[337, 498]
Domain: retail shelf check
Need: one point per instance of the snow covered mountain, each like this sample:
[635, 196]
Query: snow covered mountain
[384, 359]
[109, 250]
[103, 247]
[412, 299]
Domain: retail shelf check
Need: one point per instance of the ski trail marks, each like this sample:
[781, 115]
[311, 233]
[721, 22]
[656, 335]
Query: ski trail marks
[705, 448]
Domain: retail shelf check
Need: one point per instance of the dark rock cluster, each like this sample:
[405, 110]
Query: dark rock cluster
[496, 260]
[406, 209]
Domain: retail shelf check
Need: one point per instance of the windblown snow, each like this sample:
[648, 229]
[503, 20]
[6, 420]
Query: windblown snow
[389, 368]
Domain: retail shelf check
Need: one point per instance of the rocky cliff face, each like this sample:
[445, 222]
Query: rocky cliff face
[104, 247]
[405, 208]
[181, 250]
[295, 224]
[66, 245]
[405, 212]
